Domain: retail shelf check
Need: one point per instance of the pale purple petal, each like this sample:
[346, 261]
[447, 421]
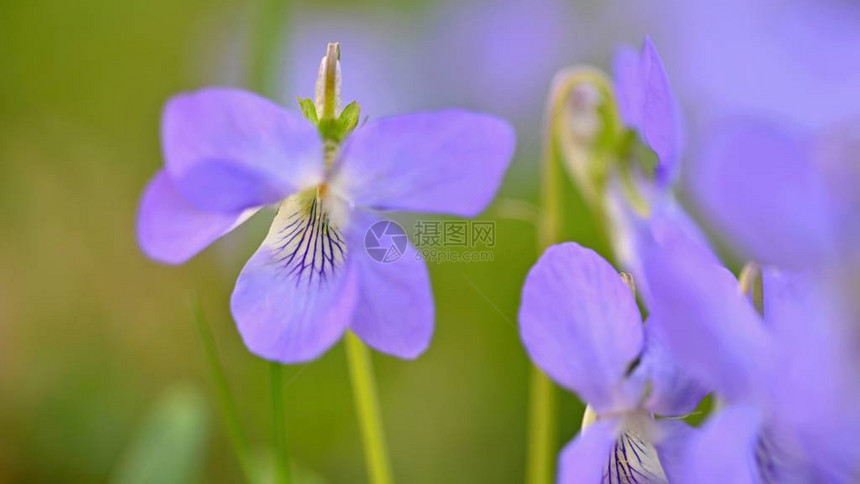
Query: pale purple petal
[790, 298]
[673, 391]
[757, 183]
[667, 218]
[580, 324]
[648, 105]
[661, 116]
[796, 60]
[584, 459]
[708, 326]
[818, 359]
[171, 230]
[297, 293]
[395, 312]
[724, 450]
[441, 162]
[228, 149]
[836, 155]
[672, 439]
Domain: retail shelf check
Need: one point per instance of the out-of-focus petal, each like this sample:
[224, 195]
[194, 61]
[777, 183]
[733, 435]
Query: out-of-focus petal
[580, 324]
[673, 391]
[297, 293]
[647, 104]
[171, 230]
[228, 149]
[441, 162]
[661, 116]
[672, 439]
[395, 312]
[708, 326]
[837, 153]
[818, 359]
[586, 458]
[666, 217]
[790, 298]
[725, 449]
[796, 60]
[757, 183]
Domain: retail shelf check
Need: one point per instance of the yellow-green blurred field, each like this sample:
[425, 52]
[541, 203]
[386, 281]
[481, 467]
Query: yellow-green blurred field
[94, 337]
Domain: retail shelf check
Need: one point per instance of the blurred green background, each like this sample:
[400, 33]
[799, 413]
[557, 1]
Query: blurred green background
[101, 368]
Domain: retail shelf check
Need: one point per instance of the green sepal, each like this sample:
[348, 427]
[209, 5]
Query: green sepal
[309, 109]
[348, 119]
[338, 129]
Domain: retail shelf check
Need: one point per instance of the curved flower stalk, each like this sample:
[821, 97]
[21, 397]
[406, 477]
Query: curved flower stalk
[622, 133]
[624, 155]
[787, 379]
[580, 324]
[229, 153]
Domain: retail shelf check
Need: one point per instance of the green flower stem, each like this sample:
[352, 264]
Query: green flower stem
[282, 460]
[225, 398]
[367, 407]
[590, 162]
[542, 417]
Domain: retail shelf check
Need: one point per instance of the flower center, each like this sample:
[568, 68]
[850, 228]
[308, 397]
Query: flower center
[306, 239]
[633, 459]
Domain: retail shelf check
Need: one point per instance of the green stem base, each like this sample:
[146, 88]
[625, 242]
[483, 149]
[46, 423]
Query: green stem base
[541, 429]
[367, 407]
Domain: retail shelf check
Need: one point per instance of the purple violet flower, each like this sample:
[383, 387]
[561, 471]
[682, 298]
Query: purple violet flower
[649, 108]
[787, 381]
[229, 153]
[580, 324]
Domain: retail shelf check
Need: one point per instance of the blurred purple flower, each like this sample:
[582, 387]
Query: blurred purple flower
[779, 194]
[788, 382]
[649, 108]
[229, 152]
[580, 324]
[795, 60]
